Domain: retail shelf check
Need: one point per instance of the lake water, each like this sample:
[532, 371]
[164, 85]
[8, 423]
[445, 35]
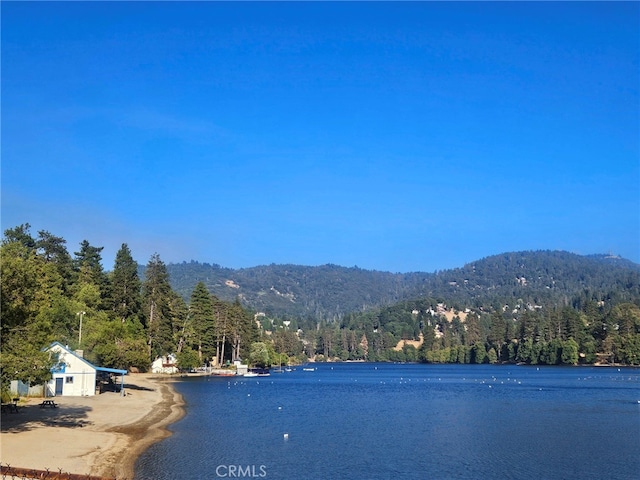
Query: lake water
[390, 421]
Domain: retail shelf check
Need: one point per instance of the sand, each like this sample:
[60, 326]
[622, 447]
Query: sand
[101, 435]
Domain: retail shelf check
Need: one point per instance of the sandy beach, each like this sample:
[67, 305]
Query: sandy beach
[101, 435]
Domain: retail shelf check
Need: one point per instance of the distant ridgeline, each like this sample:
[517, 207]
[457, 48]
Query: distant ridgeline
[329, 292]
[546, 307]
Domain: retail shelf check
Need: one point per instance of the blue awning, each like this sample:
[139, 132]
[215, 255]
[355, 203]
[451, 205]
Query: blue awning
[110, 370]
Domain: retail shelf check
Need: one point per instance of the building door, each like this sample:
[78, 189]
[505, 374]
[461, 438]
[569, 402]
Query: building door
[59, 386]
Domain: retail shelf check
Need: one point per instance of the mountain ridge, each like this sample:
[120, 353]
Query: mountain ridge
[328, 292]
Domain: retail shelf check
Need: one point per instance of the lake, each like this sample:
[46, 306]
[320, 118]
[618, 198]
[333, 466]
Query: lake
[409, 421]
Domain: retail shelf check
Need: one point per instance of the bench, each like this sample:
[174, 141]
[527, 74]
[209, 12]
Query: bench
[48, 403]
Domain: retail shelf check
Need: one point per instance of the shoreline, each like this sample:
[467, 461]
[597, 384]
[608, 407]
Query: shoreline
[102, 435]
[141, 434]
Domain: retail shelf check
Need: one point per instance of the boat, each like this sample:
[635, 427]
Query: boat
[258, 372]
[219, 372]
[307, 369]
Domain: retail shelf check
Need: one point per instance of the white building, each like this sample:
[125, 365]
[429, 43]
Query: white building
[74, 376]
[165, 364]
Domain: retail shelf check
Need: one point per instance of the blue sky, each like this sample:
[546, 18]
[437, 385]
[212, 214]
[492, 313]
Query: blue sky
[391, 136]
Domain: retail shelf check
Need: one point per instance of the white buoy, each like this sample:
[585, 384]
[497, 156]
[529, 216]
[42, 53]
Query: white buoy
[286, 436]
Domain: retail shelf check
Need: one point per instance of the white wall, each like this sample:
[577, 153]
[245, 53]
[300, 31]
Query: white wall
[78, 376]
[74, 384]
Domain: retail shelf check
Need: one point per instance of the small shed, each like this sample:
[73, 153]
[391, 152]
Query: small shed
[74, 376]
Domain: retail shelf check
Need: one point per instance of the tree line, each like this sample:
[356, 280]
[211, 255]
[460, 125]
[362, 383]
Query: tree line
[602, 329]
[116, 318]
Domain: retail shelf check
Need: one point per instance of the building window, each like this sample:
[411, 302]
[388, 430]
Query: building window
[68, 380]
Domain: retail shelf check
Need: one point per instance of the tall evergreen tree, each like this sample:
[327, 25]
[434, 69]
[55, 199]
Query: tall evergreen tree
[472, 333]
[203, 320]
[89, 258]
[125, 286]
[244, 329]
[156, 293]
[497, 333]
[91, 275]
[53, 249]
[223, 327]
[180, 320]
[21, 235]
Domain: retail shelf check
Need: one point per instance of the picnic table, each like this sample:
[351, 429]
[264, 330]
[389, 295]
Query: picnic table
[10, 407]
[48, 403]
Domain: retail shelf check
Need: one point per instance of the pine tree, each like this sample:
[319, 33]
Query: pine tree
[244, 330]
[125, 286]
[180, 320]
[156, 293]
[90, 274]
[53, 249]
[203, 319]
[497, 333]
[472, 332]
[21, 235]
[89, 262]
[223, 327]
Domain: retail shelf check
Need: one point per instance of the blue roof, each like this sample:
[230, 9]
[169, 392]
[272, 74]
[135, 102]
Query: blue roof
[89, 364]
[110, 370]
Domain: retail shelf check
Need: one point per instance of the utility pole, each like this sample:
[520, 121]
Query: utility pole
[80, 314]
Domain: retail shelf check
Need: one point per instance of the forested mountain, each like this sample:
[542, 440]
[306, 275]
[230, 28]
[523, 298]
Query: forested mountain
[544, 307]
[325, 292]
[328, 292]
[542, 277]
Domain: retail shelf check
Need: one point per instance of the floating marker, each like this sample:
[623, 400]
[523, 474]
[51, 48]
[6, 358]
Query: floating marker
[286, 436]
